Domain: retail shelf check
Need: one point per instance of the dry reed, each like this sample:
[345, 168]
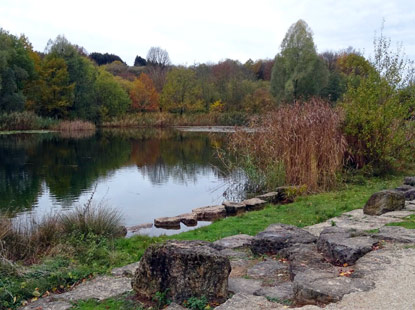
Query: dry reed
[77, 125]
[302, 139]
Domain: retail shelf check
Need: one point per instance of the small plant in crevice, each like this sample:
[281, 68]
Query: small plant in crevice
[196, 303]
[161, 299]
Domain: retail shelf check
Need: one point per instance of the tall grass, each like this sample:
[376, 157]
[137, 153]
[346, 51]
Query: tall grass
[74, 126]
[24, 121]
[298, 144]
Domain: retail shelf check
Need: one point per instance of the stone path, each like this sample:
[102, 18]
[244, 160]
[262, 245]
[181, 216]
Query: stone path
[298, 269]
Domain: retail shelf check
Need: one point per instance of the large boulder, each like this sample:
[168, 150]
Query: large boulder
[384, 201]
[182, 269]
[339, 246]
[279, 236]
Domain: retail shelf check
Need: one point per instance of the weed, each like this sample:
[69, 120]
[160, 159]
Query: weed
[161, 299]
[196, 303]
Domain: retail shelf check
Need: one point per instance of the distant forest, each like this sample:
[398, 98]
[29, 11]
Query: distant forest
[67, 82]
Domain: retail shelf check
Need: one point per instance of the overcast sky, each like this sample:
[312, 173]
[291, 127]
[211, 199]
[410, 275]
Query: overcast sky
[207, 31]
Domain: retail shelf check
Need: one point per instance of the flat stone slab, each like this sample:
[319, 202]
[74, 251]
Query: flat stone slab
[396, 234]
[314, 287]
[47, 304]
[339, 246]
[168, 222]
[126, 271]
[254, 204]
[267, 269]
[234, 208]
[188, 219]
[279, 236]
[242, 301]
[234, 242]
[398, 214]
[210, 213]
[232, 254]
[281, 291]
[272, 197]
[242, 285]
[100, 288]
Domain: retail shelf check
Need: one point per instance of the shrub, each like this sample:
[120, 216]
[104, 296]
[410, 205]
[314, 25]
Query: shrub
[299, 144]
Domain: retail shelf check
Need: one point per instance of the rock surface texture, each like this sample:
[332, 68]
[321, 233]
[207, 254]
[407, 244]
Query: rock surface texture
[182, 269]
[384, 201]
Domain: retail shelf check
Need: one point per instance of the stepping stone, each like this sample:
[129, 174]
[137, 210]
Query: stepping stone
[279, 236]
[267, 269]
[168, 222]
[136, 228]
[314, 287]
[339, 246]
[125, 271]
[188, 219]
[234, 208]
[210, 213]
[242, 285]
[396, 234]
[242, 301]
[272, 197]
[234, 242]
[281, 291]
[254, 204]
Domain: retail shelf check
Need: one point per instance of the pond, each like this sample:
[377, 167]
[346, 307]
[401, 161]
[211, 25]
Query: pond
[145, 174]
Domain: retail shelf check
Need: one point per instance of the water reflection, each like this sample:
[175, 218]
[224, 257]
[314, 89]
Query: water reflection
[143, 173]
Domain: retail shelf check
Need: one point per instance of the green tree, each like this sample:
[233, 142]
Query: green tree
[298, 71]
[181, 92]
[376, 114]
[16, 68]
[112, 99]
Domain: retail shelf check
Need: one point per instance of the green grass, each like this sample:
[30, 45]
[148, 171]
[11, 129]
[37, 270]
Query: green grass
[123, 302]
[409, 222]
[101, 257]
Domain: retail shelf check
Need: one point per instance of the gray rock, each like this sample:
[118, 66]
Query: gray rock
[404, 188]
[409, 181]
[174, 306]
[279, 236]
[396, 234]
[281, 291]
[48, 304]
[314, 287]
[410, 195]
[188, 219]
[234, 242]
[136, 228]
[232, 254]
[234, 208]
[384, 201]
[245, 286]
[210, 213]
[248, 302]
[100, 288]
[272, 197]
[304, 257]
[182, 269]
[125, 271]
[339, 246]
[254, 204]
[267, 269]
[167, 222]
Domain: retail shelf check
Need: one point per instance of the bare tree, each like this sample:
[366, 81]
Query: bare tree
[158, 63]
[157, 56]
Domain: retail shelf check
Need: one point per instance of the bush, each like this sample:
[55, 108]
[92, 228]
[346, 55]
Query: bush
[299, 144]
[376, 125]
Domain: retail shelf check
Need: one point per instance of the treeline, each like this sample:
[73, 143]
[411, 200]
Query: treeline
[65, 82]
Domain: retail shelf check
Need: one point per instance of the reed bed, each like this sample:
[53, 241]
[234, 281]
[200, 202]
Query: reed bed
[297, 144]
[74, 126]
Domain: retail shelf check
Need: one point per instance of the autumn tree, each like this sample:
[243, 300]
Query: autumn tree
[181, 92]
[143, 94]
[298, 71]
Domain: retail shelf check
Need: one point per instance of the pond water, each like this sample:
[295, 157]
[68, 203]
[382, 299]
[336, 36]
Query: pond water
[145, 174]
